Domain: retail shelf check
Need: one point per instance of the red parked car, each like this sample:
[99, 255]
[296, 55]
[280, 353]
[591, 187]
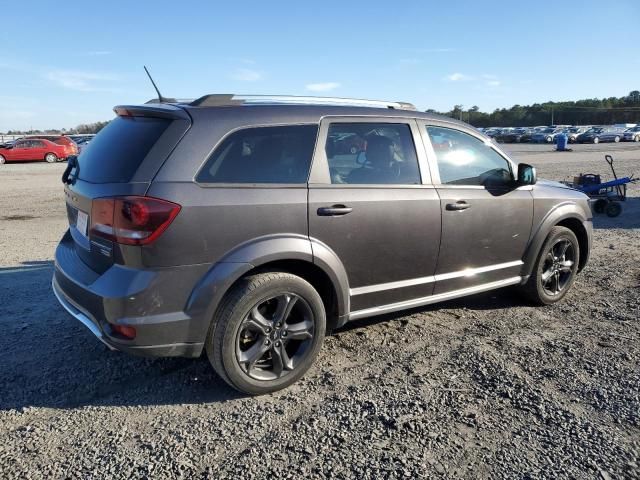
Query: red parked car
[61, 140]
[34, 149]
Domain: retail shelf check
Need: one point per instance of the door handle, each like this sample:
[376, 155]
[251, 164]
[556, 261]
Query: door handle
[461, 205]
[334, 211]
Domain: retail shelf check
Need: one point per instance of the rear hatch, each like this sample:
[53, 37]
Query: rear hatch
[121, 163]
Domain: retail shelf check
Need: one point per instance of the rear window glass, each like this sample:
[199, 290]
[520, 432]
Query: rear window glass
[118, 150]
[262, 155]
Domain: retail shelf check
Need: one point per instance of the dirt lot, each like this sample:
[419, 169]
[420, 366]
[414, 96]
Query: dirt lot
[484, 387]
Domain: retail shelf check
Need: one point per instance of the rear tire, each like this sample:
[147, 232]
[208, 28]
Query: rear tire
[596, 140]
[636, 138]
[616, 139]
[267, 332]
[555, 269]
[51, 158]
[2, 160]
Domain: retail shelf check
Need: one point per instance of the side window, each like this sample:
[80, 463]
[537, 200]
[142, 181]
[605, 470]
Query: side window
[262, 155]
[465, 160]
[372, 153]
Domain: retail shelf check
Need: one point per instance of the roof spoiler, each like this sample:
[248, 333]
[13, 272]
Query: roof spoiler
[158, 110]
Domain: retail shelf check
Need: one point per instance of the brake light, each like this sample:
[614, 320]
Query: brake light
[131, 220]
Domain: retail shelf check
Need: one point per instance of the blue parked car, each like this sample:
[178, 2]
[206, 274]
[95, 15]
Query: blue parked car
[601, 134]
[547, 135]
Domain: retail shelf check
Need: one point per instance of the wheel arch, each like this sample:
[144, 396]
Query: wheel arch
[568, 215]
[289, 253]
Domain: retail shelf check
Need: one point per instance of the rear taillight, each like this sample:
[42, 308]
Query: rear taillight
[124, 330]
[131, 220]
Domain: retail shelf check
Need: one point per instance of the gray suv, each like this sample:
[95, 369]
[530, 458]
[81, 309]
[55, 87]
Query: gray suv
[248, 227]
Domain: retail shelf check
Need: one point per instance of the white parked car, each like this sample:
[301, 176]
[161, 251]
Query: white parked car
[631, 134]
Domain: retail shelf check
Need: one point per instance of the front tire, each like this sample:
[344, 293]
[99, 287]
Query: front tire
[51, 158]
[267, 332]
[600, 205]
[555, 269]
[596, 140]
[616, 139]
[2, 160]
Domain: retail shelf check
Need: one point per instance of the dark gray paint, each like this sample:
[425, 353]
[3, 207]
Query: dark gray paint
[494, 229]
[171, 289]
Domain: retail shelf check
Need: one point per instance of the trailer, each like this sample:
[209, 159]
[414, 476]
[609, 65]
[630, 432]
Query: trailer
[606, 197]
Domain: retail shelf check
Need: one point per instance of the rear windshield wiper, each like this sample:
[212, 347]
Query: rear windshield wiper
[72, 162]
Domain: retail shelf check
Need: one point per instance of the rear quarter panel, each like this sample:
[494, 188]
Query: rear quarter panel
[214, 221]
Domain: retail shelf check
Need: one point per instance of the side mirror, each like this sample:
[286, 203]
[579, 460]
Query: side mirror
[526, 174]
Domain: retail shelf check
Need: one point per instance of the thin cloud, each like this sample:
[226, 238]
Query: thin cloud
[81, 81]
[322, 87]
[458, 77]
[491, 80]
[246, 75]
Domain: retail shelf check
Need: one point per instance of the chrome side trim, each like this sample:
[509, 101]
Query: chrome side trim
[391, 285]
[76, 313]
[418, 302]
[469, 272]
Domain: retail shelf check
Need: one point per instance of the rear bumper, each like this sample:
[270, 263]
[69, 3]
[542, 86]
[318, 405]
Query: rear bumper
[151, 301]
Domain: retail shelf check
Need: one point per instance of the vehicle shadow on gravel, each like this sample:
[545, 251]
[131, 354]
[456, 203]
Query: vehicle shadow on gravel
[47, 359]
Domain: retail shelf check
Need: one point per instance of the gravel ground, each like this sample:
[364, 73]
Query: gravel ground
[483, 387]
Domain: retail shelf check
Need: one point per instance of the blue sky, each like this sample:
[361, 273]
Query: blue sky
[65, 63]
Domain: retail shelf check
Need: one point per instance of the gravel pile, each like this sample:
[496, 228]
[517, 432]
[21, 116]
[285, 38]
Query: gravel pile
[484, 387]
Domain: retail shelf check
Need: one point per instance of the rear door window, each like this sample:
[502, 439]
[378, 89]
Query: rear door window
[279, 154]
[119, 149]
[372, 153]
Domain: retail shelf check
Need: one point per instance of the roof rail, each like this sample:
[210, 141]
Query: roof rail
[219, 100]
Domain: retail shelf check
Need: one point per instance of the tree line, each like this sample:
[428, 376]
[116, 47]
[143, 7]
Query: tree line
[591, 111]
[83, 128]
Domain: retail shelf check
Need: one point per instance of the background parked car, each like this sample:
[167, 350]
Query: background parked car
[601, 134]
[631, 134]
[33, 149]
[547, 135]
[573, 132]
[514, 135]
[72, 148]
[82, 144]
[348, 144]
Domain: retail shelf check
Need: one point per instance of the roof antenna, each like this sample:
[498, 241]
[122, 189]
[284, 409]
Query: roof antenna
[161, 99]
